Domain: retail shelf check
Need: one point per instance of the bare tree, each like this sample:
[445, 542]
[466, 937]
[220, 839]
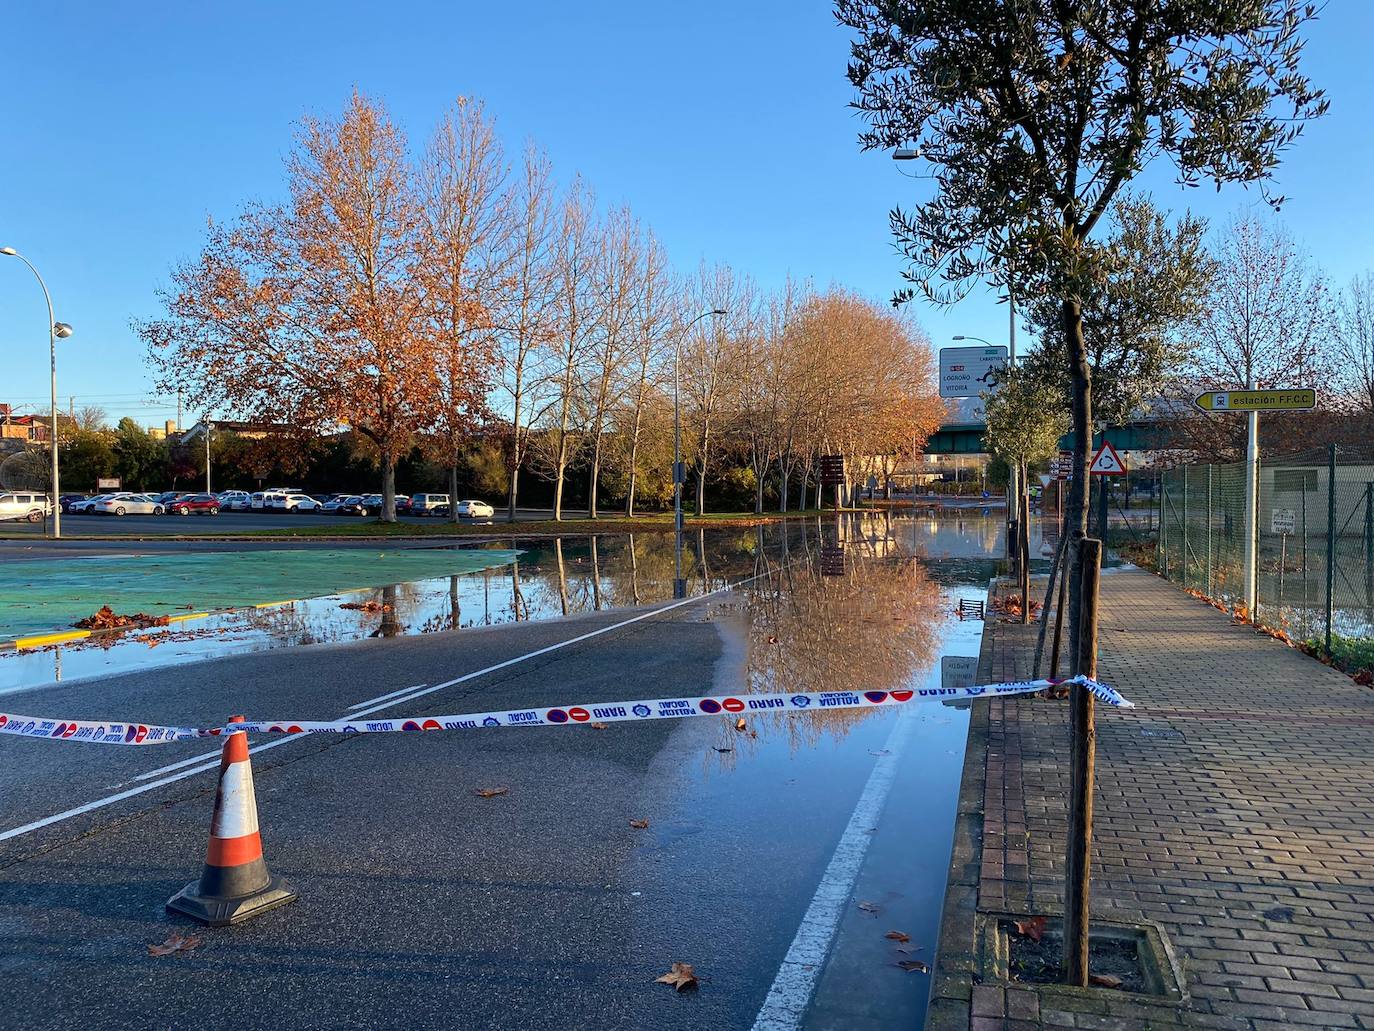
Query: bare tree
[657, 313]
[614, 285]
[530, 310]
[576, 251]
[710, 360]
[1268, 316]
[467, 226]
[1356, 335]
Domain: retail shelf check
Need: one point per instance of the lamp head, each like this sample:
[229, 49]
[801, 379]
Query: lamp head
[61, 330]
[906, 154]
[961, 337]
[719, 311]
[8, 250]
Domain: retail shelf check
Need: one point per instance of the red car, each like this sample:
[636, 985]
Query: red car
[200, 504]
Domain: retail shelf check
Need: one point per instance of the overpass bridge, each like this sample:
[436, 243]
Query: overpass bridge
[963, 434]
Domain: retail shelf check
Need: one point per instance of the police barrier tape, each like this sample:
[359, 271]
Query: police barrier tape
[601, 712]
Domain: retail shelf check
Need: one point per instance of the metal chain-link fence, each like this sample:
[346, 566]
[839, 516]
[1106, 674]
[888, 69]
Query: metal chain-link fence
[1314, 539]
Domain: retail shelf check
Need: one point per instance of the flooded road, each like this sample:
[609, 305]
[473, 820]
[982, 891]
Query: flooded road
[775, 856]
[510, 582]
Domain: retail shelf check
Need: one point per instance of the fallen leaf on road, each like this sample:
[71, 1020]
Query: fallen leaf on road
[898, 936]
[1033, 928]
[913, 964]
[640, 825]
[880, 751]
[869, 907]
[680, 977]
[176, 943]
[599, 726]
[740, 724]
[1104, 980]
[490, 792]
[719, 749]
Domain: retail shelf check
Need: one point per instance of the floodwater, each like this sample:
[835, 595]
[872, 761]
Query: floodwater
[521, 582]
[864, 602]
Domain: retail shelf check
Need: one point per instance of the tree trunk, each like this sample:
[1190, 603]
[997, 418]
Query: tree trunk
[592, 478]
[388, 488]
[701, 490]
[1076, 504]
[514, 490]
[782, 485]
[453, 492]
[758, 495]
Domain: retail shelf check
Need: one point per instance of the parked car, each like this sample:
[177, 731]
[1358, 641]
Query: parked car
[86, 505]
[128, 504]
[168, 496]
[197, 504]
[297, 503]
[372, 504]
[234, 500]
[426, 504]
[475, 510]
[345, 504]
[257, 501]
[67, 500]
[23, 505]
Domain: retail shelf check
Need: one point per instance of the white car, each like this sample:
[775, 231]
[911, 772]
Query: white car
[474, 510]
[127, 504]
[298, 503]
[235, 500]
[32, 507]
[88, 505]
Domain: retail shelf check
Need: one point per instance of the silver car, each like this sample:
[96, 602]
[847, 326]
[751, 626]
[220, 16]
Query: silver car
[127, 504]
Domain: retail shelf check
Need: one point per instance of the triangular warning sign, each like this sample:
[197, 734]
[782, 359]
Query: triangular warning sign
[1107, 462]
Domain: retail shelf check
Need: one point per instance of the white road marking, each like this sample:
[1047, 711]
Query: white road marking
[100, 803]
[213, 762]
[785, 1006]
[383, 697]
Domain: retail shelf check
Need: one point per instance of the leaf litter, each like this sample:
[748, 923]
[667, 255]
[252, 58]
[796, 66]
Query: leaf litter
[681, 977]
[176, 943]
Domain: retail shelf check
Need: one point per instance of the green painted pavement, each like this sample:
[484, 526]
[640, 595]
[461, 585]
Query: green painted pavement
[38, 595]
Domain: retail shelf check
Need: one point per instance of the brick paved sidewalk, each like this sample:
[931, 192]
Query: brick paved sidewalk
[1233, 808]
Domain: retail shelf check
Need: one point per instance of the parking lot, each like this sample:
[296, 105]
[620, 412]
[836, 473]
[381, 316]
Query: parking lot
[226, 523]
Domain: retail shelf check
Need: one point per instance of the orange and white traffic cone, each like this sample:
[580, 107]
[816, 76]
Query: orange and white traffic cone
[234, 883]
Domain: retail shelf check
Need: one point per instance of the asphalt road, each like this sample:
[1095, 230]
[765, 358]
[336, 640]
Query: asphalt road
[423, 905]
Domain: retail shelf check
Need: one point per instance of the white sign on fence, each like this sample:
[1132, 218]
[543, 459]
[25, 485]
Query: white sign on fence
[968, 371]
[1283, 520]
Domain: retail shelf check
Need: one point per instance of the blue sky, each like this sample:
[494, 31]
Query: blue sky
[722, 124]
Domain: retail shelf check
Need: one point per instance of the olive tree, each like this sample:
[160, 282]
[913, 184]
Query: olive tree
[1033, 116]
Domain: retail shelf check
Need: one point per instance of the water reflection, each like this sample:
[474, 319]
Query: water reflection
[870, 571]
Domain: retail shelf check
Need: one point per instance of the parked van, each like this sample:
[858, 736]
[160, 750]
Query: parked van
[427, 504]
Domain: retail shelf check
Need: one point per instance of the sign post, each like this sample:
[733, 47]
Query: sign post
[1106, 462]
[1252, 402]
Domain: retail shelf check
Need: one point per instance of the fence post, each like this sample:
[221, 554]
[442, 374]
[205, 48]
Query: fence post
[1368, 545]
[1185, 526]
[1163, 526]
[1306, 615]
[1209, 529]
[1330, 543]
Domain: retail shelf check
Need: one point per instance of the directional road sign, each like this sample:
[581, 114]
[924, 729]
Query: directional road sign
[1107, 462]
[1257, 400]
[968, 371]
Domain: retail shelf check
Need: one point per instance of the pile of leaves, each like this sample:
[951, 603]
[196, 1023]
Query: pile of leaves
[372, 607]
[1008, 606]
[106, 618]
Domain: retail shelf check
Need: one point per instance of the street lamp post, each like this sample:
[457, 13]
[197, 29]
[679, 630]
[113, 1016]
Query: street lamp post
[55, 330]
[1013, 480]
[680, 585]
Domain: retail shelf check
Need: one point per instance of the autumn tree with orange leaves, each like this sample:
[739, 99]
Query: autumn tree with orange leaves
[314, 312]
